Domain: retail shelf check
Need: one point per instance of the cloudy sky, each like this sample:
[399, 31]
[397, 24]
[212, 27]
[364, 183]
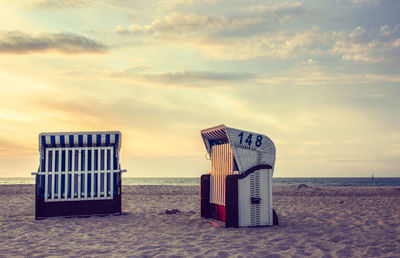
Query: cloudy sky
[320, 78]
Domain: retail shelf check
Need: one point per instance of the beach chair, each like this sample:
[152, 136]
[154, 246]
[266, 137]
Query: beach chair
[79, 174]
[238, 189]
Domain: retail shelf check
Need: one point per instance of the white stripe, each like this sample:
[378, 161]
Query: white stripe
[76, 140]
[94, 139]
[112, 139]
[53, 174]
[73, 174]
[46, 179]
[58, 140]
[98, 173]
[86, 173]
[48, 140]
[59, 173]
[105, 174]
[80, 152]
[66, 140]
[66, 173]
[92, 176]
[112, 174]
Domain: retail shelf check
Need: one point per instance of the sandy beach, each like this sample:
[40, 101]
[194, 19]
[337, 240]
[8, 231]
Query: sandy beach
[314, 221]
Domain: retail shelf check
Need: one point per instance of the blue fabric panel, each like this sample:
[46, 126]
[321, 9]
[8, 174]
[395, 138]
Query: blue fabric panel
[115, 160]
[89, 160]
[115, 183]
[80, 140]
[98, 143]
[62, 184]
[96, 162]
[69, 186]
[71, 141]
[44, 140]
[116, 139]
[63, 161]
[109, 159]
[89, 178]
[62, 140]
[107, 140]
[95, 183]
[89, 139]
[53, 140]
[41, 193]
[44, 158]
[57, 165]
[69, 160]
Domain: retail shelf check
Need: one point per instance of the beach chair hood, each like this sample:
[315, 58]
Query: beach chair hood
[79, 139]
[249, 148]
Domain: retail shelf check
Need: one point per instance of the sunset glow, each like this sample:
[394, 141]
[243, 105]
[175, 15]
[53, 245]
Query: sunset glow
[321, 79]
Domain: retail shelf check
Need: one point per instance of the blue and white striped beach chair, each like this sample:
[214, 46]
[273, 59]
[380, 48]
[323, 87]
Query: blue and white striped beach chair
[238, 189]
[79, 174]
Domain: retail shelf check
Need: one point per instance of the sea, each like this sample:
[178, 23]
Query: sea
[284, 181]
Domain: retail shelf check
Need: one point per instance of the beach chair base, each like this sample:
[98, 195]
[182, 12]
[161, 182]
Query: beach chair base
[78, 208]
[228, 213]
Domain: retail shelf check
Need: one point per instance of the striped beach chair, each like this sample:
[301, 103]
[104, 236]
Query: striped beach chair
[238, 189]
[79, 174]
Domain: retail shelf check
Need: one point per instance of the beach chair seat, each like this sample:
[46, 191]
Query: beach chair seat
[238, 189]
[79, 174]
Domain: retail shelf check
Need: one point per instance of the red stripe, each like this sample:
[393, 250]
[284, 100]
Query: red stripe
[220, 212]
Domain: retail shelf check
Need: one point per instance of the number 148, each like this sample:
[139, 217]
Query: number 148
[249, 140]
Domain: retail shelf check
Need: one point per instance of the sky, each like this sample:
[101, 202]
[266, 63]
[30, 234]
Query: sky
[320, 78]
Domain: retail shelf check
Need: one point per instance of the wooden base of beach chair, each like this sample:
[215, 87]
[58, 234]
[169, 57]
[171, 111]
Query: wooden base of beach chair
[229, 213]
[77, 208]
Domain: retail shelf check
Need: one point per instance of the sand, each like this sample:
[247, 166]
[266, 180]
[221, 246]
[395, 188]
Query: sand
[314, 221]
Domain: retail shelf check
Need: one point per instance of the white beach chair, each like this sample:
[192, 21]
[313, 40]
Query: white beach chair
[79, 174]
[238, 189]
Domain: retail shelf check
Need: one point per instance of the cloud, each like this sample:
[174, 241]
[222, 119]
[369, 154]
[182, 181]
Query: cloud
[368, 45]
[194, 23]
[190, 23]
[173, 4]
[16, 42]
[264, 9]
[278, 45]
[191, 79]
[51, 3]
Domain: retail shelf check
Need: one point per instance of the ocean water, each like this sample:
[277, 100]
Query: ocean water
[285, 181]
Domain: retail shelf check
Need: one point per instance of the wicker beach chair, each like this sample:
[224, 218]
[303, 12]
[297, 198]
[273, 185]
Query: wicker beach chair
[79, 174]
[238, 189]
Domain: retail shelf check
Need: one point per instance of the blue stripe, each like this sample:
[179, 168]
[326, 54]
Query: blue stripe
[62, 141]
[89, 140]
[53, 140]
[63, 161]
[80, 140]
[71, 140]
[44, 159]
[116, 139]
[107, 140]
[98, 143]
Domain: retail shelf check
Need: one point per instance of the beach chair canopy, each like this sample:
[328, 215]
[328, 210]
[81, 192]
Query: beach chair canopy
[248, 148]
[79, 139]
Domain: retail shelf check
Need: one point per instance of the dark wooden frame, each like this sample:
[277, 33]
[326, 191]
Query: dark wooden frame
[75, 208]
[210, 210]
